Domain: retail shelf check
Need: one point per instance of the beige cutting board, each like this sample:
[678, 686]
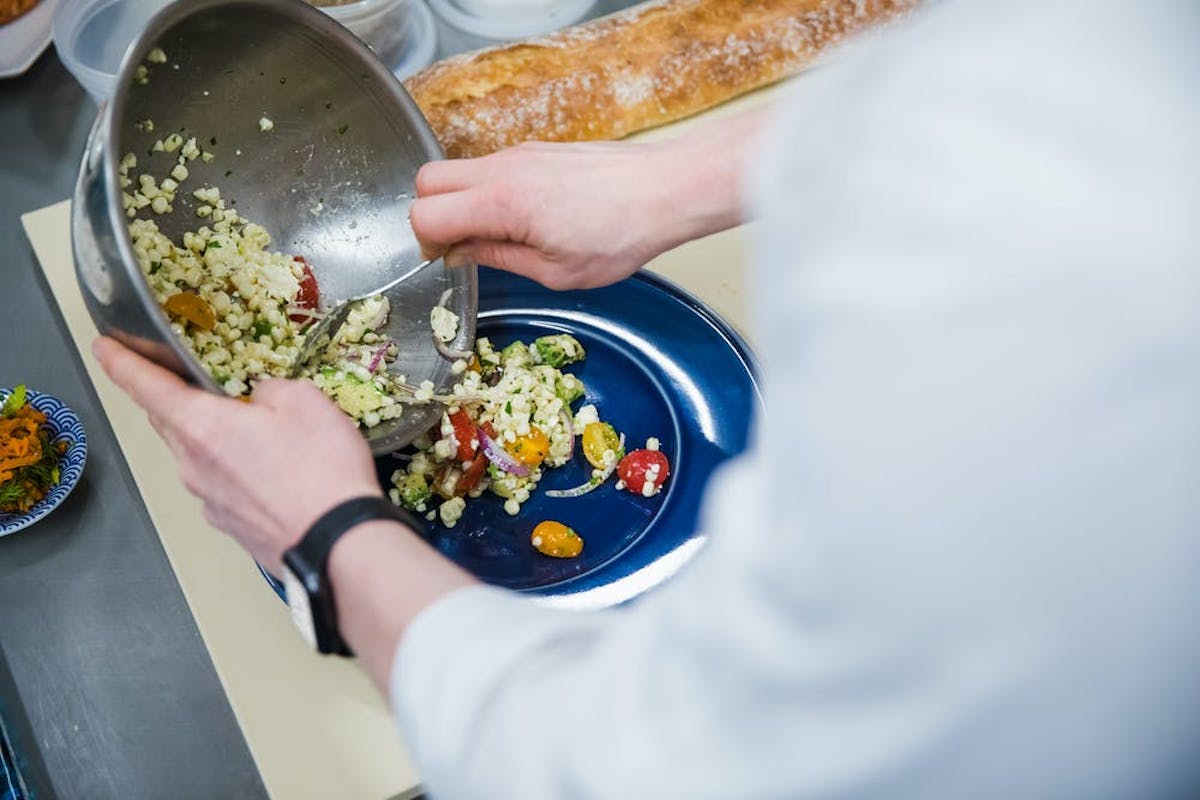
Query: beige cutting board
[315, 727]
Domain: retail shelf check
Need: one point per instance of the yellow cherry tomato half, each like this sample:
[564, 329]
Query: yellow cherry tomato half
[555, 539]
[598, 438]
[530, 449]
[192, 308]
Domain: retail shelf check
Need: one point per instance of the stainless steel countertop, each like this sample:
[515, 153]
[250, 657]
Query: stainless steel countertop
[114, 687]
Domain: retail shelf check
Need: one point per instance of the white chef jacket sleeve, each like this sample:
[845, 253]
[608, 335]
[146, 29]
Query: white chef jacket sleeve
[963, 560]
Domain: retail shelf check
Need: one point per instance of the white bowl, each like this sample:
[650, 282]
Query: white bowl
[486, 22]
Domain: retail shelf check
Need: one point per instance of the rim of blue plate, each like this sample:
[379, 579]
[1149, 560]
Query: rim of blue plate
[564, 591]
[65, 424]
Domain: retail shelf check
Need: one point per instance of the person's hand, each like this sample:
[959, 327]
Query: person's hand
[566, 215]
[265, 469]
[584, 215]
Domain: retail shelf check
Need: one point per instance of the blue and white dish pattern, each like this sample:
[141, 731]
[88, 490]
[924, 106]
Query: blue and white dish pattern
[65, 426]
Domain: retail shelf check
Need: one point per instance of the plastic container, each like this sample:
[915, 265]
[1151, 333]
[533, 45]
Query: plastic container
[479, 23]
[91, 37]
[422, 43]
[381, 24]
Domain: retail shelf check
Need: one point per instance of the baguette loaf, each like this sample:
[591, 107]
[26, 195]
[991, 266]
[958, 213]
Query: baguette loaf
[638, 68]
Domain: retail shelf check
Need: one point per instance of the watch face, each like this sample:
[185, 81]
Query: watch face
[297, 600]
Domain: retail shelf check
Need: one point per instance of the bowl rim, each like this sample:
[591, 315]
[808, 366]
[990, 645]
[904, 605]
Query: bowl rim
[359, 10]
[516, 26]
[114, 109]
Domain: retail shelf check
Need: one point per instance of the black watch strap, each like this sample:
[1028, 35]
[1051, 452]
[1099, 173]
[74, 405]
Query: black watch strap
[309, 560]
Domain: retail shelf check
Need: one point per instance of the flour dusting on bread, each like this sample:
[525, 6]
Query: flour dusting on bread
[645, 66]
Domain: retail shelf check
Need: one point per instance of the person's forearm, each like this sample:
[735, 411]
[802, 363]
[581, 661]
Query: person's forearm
[383, 576]
[704, 190]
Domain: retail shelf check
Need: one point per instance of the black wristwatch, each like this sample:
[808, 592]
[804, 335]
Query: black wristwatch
[306, 569]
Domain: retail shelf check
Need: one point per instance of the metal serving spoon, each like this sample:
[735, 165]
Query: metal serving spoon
[317, 338]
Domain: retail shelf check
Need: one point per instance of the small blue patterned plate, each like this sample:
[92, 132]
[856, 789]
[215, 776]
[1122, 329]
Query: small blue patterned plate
[65, 426]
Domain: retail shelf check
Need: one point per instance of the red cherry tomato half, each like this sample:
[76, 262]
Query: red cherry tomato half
[642, 466]
[464, 432]
[309, 295]
[472, 474]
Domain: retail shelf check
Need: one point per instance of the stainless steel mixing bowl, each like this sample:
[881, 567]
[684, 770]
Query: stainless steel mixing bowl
[332, 181]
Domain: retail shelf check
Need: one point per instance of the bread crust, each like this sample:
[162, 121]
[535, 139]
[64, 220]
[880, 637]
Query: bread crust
[639, 68]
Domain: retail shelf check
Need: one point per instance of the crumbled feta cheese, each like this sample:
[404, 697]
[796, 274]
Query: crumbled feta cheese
[584, 417]
[652, 443]
[444, 323]
[265, 124]
[451, 511]
[157, 56]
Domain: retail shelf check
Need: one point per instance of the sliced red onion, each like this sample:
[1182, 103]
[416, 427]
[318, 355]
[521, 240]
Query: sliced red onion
[448, 352]
[568, 421]
[592, 484]
[379, 354]
[499, 456]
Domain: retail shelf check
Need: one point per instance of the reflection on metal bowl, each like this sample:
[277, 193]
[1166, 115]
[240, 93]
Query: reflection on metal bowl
[332, 180]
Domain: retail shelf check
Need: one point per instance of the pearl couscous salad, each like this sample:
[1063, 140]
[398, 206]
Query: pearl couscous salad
[508, 419]
[242, 308]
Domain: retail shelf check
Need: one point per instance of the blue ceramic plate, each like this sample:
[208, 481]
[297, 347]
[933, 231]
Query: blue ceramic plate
[659, 363]
[65, 426]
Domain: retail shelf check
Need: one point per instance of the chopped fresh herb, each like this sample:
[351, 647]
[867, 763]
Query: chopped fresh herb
[213, 141]
[508, 407]
[328, 106]
[155, 266]
[228, 172]
[261, 328]
[345, 126]
[14, 401]
[213, 244]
